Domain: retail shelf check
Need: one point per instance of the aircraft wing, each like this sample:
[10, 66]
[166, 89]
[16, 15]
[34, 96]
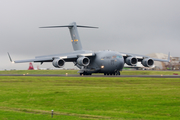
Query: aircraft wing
[34, 60]
[67, 57]
[141, 57]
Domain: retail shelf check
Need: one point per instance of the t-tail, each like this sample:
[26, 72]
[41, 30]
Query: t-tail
[75, 39]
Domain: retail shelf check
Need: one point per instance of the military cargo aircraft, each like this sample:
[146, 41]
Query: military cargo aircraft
[107, 62]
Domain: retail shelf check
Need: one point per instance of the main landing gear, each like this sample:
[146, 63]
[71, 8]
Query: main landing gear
[84, 73]
[114, 73]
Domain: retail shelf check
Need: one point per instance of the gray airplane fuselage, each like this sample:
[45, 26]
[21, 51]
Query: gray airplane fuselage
[107, 62]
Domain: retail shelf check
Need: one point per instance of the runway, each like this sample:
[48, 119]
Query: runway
[62, 75]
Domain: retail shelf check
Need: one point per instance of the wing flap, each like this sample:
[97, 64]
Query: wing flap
[34, 60]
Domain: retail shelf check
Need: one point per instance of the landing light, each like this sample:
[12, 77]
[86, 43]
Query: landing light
[102, 66]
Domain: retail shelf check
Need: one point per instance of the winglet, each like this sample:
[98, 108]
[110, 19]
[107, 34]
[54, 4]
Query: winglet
[10, 58]
[169, 57]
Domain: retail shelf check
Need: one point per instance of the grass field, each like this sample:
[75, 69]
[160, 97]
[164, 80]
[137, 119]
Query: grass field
[33, 98]
[125, 72]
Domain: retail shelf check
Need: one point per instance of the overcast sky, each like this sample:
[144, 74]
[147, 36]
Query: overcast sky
[133, 26]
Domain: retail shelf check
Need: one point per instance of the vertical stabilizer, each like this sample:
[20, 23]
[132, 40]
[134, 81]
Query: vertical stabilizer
[76, 43]
[75, 39]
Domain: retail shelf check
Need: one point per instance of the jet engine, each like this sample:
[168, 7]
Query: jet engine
[58, 63]
[83, 61]
[147, 62]
[131, 61]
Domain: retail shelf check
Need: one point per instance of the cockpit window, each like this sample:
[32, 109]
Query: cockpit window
[119, 56]
[113, 57]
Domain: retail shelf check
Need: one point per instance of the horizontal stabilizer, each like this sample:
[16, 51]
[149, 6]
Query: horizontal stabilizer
[69, 26]
[56, 26]
[86, 26]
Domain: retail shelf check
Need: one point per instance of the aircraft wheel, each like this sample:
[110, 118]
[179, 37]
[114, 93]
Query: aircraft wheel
[107, 73]
[117, 73]
[114, 73]
[85, 73]
[104, 73]
[110, 73]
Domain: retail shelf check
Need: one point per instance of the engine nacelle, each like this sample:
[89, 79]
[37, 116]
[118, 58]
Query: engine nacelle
[83, 61]
[131, 61]
[58, 63]
[147, 62]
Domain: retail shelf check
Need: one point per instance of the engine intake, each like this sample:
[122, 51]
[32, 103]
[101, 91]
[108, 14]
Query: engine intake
[131, 61]
[83, 61]
[147, 62]
[58, 63]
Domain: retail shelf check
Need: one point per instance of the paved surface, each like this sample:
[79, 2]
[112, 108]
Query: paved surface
[60, 75]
